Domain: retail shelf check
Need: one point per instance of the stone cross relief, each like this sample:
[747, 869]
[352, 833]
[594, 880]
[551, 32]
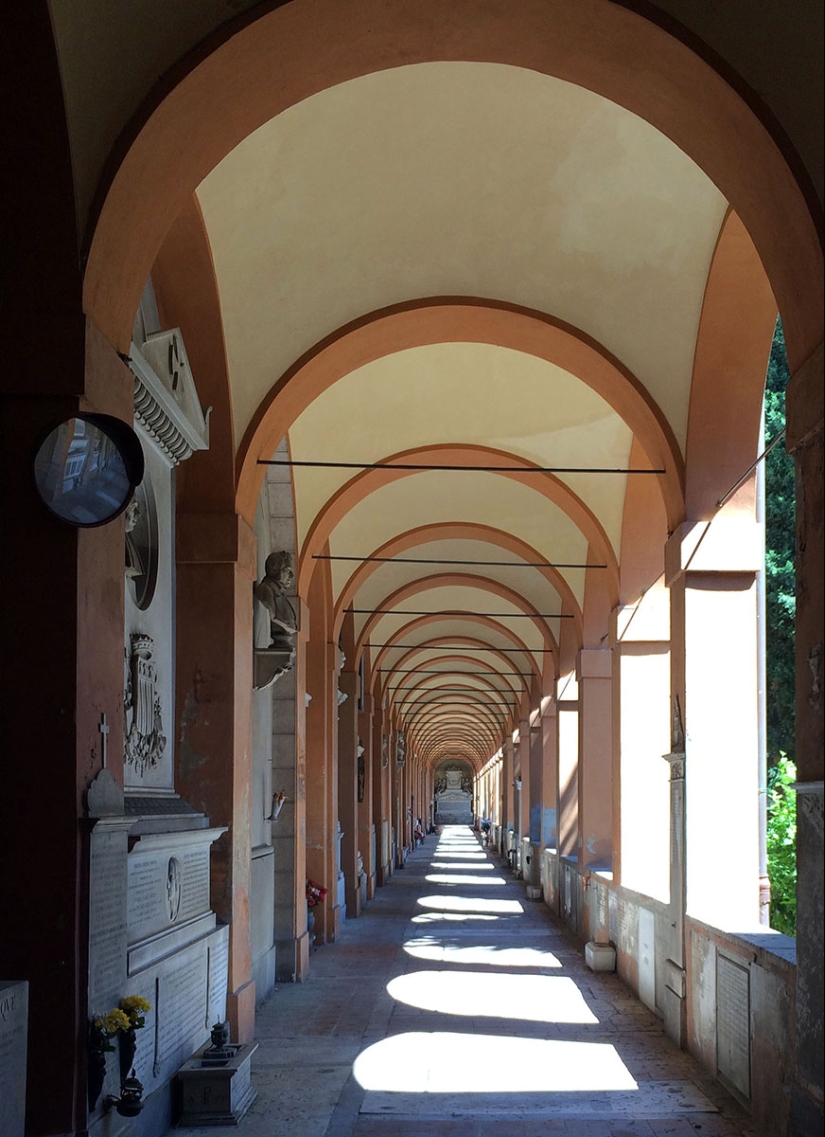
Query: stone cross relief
[103, 730]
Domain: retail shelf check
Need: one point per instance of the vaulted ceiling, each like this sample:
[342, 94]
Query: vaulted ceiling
[579, 238]
[473, 297]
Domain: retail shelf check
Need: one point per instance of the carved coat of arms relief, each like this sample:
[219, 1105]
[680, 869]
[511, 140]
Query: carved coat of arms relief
[143, 728]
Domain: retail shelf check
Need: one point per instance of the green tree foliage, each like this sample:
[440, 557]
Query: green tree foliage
[782, 845]
[780, 544]
[780, 604]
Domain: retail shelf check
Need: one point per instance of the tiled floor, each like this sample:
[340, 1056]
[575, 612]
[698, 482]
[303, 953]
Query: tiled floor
[454, 1007]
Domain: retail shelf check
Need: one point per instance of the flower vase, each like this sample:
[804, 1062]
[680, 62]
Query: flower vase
[311, 924]
[95, 1076]
[128, 1044]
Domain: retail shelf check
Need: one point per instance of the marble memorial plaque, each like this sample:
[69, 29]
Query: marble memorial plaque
[182, 995]
[647, 958]
[107, 916]
[733, 1054]
[147, 908]
[194, 882]
[14, 1010]
[613, 917]
[218, 972]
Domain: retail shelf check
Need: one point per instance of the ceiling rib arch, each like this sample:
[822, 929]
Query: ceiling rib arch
[460, 531]
[539, 669]
[459, 320]
[552, 489]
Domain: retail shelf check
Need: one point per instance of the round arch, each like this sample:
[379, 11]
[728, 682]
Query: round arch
[485, 621]
[251, 70]
[459, 320]
[466, 641]
[360, 487]
[424, 584]
[447, 530]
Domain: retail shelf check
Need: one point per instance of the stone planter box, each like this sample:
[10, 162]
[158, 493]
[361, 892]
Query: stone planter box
[217, 1091]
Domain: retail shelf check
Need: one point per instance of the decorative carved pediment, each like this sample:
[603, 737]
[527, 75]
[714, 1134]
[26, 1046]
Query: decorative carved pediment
[166, 400]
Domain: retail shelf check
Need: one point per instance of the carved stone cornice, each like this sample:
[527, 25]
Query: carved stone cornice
[157, 423]
[166, 405]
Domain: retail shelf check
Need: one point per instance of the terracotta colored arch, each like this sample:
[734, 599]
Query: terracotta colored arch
[473, 621]
[452, 530]
[252, 69]
[454, 727]
[367, 482]
[459, 320]
[421, 668]
[733, 344]
[440, 580]
[448, 744]
[428, 685]
[465, 641]
[485, 723]
[435, 697]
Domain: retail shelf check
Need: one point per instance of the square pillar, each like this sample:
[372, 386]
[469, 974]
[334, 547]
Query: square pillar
[568, 767]
[711, 572]
[804, 441]
[348, 787]
[595, 758]
[550, 774]
[367, 829]
[216, 567]
[640, 640]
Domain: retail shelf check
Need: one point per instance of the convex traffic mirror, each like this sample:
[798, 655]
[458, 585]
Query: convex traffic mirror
[87, 468]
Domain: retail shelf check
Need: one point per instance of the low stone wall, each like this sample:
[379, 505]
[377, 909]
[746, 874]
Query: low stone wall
[741, 988]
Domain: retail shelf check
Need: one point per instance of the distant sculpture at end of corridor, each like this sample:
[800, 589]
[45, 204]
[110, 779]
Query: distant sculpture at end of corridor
[271, 592]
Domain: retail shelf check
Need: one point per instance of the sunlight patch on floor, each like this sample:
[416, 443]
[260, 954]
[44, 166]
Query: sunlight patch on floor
[433, 917]
[480, 955]
[442, 1062]
[461, 865]
[454, 878]
[530, 998]
[469, 904]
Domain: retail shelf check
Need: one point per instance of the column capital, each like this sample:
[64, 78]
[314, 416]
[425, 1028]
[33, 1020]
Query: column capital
[595, 663]
[646, 621]
[216, 538]
[724, 545]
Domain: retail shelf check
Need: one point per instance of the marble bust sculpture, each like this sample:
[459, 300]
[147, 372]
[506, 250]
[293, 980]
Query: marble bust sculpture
[271, 592]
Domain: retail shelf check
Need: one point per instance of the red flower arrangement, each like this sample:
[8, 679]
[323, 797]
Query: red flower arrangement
[315, 892]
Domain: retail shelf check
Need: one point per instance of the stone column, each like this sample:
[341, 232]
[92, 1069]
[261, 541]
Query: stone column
[216, 568]
[804, 441]
[640, 640]
[379, 796]
[532, 875]
[367, 829]
[711, 569]
[595, 759]
[508, 777]
[289, 831]
[322, 743]
[348, 787]
[568, 766]
[550, 774]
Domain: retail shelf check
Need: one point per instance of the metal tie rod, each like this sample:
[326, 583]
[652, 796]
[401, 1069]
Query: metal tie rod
[439, 561]
[453, 466]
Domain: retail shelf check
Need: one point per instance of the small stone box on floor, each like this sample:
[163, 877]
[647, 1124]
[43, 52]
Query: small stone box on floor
[600, 957]
[217, 1092]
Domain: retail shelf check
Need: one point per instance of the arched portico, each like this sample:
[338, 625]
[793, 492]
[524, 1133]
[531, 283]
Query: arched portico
[567, 733]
